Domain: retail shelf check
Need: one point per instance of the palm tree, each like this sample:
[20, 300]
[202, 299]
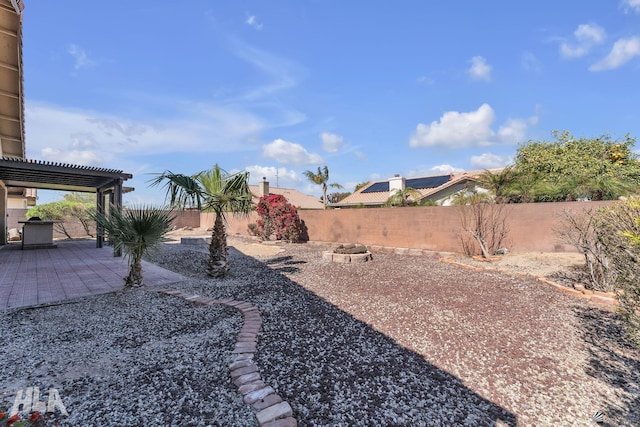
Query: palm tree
[498, 183]
[135, 231]
[469, 197]
[211, 190]
[402, 197]
[321, 178]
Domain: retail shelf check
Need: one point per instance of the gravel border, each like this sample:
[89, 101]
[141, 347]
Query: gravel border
[400, 340]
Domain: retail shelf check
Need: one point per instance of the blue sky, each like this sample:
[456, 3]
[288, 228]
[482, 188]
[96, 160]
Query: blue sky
[370, 89]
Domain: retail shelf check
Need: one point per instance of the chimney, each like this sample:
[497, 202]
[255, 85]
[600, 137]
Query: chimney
[263, 187]
[396, 183]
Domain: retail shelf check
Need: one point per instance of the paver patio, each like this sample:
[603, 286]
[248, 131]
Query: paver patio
[73, 269]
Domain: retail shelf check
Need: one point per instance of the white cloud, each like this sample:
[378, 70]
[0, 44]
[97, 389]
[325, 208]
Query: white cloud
[457, 130]
[277, 176]
[514, 130]
[425, 80]
[623, 51]
[443, 169]
[479, 69]
[360, 155]
[586, 36]
[289, 153]
[424, 170]
[81, 58]
[331, 142]
[489, 161]
[590, 33]
[82, 140]
[283, 74]
[57, 133]
[631, 5]
[76, 157]
[530, 62]
[568, 51]
[252, 21]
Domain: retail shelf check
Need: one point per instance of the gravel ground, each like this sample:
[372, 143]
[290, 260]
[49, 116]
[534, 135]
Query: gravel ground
[398, 341]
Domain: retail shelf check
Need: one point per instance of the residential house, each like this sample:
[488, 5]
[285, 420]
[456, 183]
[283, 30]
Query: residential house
[440, 189]
[295, 197]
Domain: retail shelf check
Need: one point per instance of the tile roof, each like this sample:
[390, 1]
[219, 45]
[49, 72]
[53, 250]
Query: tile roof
[295, 197]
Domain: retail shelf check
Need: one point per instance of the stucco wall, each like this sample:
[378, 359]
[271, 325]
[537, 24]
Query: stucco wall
[433, 228]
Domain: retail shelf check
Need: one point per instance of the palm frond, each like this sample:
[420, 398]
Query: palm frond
[181, 190]
[137, 229]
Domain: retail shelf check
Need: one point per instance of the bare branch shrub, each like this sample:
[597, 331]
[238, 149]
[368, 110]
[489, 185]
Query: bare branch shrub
[618, 229]
[485, 228]
[579, 231]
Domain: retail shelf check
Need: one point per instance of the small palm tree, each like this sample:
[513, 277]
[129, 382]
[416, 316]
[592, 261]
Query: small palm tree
[321, 178]
[469, 197]
[403, 197]
[135, 231]
[498, 183]
[211, 190]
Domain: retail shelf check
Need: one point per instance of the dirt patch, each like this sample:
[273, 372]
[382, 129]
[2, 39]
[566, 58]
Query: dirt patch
[246, 245]
[539, 264]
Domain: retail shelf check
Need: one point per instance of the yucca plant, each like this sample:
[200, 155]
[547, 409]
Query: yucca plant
[135, 231]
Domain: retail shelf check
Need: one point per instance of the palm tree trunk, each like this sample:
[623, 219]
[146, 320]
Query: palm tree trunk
[134, 278]
[218, 255]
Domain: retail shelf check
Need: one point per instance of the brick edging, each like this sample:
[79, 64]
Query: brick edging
[271, 410]
[607, 299]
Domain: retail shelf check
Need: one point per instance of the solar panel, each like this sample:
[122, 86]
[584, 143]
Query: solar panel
[377, 187]
[427, 182]
[415, 183]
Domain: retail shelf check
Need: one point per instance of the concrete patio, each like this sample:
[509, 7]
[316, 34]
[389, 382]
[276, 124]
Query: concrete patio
[74, 269]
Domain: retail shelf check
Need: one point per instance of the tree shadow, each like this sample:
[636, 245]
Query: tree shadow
[614, 360]
[336, 370]
[284, 264]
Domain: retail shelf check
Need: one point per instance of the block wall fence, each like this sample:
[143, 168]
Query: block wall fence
[531, 226]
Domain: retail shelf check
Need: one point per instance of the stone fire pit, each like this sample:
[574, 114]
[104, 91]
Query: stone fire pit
[348, 253]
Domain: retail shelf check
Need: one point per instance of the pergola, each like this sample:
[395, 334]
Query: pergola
[16, 172]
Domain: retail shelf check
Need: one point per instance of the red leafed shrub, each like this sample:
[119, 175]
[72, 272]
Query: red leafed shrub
[278, 217]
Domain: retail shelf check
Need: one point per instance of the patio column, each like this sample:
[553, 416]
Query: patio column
[115, 202]
[100, 210]
[3, 214]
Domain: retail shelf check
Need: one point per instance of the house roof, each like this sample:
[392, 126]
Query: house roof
[376, 193]
[295, 197]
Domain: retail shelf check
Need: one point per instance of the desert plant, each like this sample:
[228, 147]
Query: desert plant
[278, 217]
[211, 190]
[580, 231]
[618, 229]
[135, 231]
[485, 228]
